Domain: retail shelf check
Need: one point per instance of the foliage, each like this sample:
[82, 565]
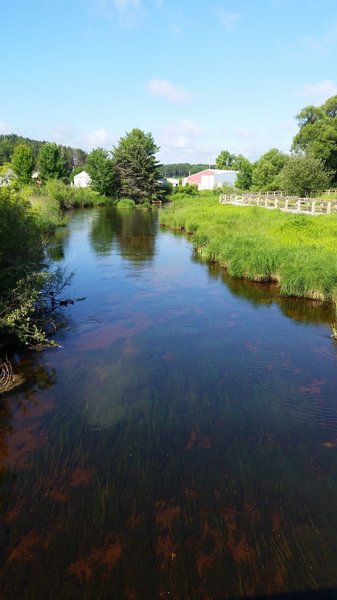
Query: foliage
[145, 204]
[225, 160]
[318, 134]
[126, 203]
[304, 175]
[23, 163]
[73, 156]
[180, 170]
[30, 310]
[28, 295]
[296, 251]
[190, 189]
[103, 172]
[266, 169]
[47, 213]
[51, 162]
[137, 167]
[245, 172]
[17, 224]
[4, 168]
[71, 197]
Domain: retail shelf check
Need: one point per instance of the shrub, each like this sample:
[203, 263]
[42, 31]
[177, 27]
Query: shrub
[126, 203]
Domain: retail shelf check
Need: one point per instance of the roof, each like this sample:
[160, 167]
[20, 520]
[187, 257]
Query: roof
[82, 174]
[196, 177]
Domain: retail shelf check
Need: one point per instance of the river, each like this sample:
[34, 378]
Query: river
[181, 442]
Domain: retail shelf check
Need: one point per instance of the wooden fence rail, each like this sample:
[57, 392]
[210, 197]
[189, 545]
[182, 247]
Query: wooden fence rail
[276, 200]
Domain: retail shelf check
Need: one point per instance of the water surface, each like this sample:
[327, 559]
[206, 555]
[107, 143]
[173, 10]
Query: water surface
[182, 441]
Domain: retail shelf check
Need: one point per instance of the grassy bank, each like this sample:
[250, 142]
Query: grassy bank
[299, 252]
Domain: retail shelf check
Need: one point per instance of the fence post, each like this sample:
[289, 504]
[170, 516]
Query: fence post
[313, 207]
[298, 204]
[328, 208]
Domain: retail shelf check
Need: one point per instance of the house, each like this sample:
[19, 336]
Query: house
[82, 179]
[164, 180]
[211, 178]
[173, 181]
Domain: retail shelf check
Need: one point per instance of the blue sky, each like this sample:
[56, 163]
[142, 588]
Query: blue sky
[200, 75]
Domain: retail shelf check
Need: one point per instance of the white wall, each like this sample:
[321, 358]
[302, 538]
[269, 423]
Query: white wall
[83, 179]
[221, 178]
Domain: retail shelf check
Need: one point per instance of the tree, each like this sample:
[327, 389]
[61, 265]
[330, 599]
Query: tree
[103, 172]
[225, 160]
[304, 175]
[51, 162]
[137, 167]
[266, 169]
[318, 134]
[245, 170]
[23, 163]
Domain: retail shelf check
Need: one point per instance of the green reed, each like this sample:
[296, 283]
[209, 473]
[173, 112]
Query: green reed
[296, 251]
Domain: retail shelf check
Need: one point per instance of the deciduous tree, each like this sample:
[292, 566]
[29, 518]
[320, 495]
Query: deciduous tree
[304, 175]
[23, 163]
[103, 172]
[51, 162]
[225, 160]
[266, 169]
[318, 134]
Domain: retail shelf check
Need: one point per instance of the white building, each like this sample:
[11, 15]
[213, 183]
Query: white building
[173, 181]
[82, 179]
[211, 178]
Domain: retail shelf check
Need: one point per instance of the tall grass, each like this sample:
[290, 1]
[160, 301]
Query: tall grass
[299, 252]
[71, 197]
[47, 213]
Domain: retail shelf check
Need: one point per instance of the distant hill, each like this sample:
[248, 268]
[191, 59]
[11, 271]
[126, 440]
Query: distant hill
[182, 169]
[74, 157]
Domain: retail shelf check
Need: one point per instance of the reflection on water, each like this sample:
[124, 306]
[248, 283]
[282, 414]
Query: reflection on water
[186, 448]
[134, 235]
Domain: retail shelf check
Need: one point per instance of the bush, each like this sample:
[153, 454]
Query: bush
[21, 242]
[72, 197]
[126, 203]
[190, 189]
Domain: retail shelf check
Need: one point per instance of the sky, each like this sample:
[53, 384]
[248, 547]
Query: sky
[201, 76]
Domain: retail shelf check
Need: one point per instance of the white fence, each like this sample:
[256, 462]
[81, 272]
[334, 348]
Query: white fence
[312, 206]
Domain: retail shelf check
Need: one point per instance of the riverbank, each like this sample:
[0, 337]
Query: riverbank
[298, 252]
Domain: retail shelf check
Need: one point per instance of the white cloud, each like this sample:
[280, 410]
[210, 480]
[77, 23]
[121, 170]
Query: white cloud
[5, 128]
[63, 134]
[168, 90]
[182, 141]
[321, 45]
[246, 133]
[99, 138]
[319, 91]
[227, 19]
[130, 12]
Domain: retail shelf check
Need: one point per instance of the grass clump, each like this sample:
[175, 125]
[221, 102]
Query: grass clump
[72, 197]
[126, 203]
[299, 252]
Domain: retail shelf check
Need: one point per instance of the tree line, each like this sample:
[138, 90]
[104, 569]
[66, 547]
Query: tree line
[131, 169]
[180, 170]
[71, 158]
